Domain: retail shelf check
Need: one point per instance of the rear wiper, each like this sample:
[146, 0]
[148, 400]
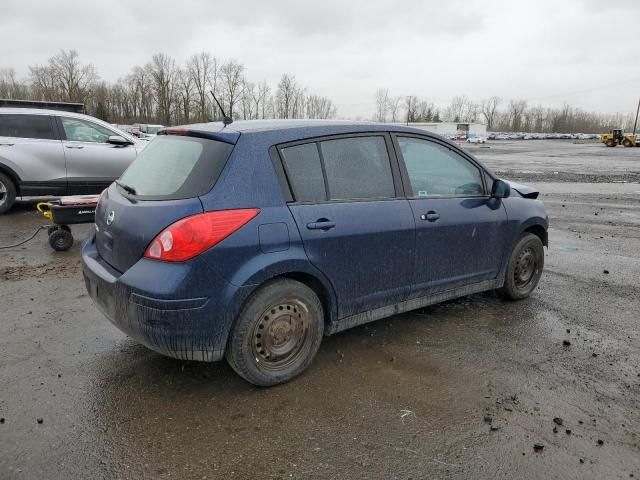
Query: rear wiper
[126, 187]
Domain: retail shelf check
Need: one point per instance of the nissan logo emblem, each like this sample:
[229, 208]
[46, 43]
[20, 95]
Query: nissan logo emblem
[110, 217]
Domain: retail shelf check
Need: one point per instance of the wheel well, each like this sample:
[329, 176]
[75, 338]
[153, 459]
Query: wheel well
[12, 176]
[314, 284]
[539, 231]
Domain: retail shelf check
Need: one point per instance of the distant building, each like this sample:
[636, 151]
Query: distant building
[450, 128]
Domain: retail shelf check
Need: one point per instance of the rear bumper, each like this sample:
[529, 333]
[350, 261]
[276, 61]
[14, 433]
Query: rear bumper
[156, 304]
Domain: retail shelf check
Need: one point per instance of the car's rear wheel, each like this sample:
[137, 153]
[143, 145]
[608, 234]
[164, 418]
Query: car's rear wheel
[7, 193]
[525, 268]
[277, 334]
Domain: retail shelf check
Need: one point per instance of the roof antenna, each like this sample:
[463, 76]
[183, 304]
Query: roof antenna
[225, 119]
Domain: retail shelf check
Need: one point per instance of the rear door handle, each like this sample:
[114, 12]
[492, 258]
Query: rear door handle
[74, 146]
[321, 224]
[7, 144]
[430, 216]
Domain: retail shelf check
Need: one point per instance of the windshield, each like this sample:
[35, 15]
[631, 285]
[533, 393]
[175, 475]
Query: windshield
[154, 130]
[174, 167]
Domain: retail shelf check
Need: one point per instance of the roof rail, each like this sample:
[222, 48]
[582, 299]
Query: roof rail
[63, 106]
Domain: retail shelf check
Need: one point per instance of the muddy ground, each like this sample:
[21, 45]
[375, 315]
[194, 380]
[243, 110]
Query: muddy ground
[466, 389]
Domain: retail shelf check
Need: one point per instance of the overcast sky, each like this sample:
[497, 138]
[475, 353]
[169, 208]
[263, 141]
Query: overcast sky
[584, 52]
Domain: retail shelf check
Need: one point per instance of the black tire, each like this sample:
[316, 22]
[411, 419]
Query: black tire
[277, 334]
[525, 268]
[627, 143]
[610, 143]
[61, 240]
[7, 194]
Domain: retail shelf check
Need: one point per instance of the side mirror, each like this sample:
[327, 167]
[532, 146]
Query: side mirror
[500, 189]
[118, 140]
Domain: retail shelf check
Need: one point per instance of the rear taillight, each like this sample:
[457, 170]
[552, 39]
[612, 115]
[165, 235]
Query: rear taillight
[193, 235]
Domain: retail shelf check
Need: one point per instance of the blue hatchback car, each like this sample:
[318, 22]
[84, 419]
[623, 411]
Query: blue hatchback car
[255, 239]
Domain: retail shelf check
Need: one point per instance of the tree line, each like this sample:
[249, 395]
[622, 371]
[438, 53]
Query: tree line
[163, 91]
[499, 115]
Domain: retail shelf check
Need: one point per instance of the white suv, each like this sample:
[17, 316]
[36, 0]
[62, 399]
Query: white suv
[50, 152]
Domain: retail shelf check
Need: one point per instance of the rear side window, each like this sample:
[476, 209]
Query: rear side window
[26, 126]
[357, 168]
[304, 169]
[174, 167]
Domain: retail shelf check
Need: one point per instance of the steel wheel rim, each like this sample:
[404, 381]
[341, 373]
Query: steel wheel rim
[526, 267]
[280, 335]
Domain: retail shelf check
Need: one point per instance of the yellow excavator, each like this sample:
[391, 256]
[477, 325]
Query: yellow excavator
[617, 137]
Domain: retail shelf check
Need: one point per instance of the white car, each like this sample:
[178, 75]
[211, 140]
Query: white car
[476, 140]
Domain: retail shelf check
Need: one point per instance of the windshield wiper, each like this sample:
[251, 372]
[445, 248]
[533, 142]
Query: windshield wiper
[126, 187]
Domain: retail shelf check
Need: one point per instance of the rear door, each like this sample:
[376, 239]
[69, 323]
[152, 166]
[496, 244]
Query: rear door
[30, 146]
[92, 163]
[355, 227]
[162, 185]
[460, 230]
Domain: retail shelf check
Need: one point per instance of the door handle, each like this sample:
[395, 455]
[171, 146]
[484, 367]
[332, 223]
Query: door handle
[321, 224]
[7, 144]
[75, 146]
[430, 216]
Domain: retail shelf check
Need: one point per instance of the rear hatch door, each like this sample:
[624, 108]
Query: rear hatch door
[160, 187]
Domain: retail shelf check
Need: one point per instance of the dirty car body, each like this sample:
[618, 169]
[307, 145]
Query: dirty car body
[372, 219]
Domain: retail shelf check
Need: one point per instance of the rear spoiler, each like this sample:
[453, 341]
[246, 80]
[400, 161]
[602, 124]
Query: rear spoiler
[223, 135]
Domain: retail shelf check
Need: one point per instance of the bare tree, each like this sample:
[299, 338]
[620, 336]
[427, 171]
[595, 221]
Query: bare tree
[516, 111]
[260, 99]
[382, 104]
[320, 107]
[232, 79]
[44, 83]
[247, 100]
[394, 105]
[203, 70]
[10, 86]
[489, 108]
[164, 77]
[186, 93]
[286, 95]
[411, 106]
[462, 109]
[74, 79]
[425, 111]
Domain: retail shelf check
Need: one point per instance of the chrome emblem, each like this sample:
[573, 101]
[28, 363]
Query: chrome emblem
[111, 217]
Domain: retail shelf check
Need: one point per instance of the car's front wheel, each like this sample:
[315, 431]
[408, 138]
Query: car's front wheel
[7, 193]
[277, 334]
[525, 267]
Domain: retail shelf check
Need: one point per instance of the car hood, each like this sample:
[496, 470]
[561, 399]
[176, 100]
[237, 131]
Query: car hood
[524, 190]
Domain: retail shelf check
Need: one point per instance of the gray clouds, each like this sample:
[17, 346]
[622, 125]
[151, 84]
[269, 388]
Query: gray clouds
[546, 51]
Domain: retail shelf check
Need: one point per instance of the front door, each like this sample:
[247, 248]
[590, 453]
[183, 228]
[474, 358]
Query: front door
[353, 227]
[92, 163]
[460, 230]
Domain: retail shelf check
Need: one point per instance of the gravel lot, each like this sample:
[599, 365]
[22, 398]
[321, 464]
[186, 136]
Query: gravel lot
[476, 388]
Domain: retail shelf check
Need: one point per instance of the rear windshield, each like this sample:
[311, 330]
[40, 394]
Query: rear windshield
[173, 167]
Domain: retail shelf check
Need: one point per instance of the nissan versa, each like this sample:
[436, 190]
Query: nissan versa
[251, 241]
